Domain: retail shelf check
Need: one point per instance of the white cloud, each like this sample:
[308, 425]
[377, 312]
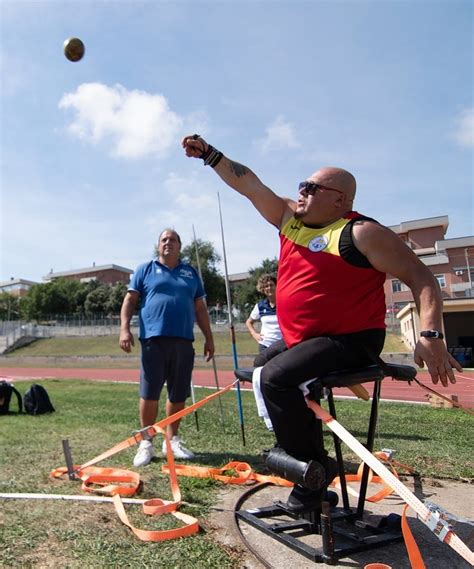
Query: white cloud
[280, 134]
[135, 123]
[186, 200]
[464, 134]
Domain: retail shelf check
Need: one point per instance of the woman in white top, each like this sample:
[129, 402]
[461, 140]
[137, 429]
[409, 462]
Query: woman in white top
[265, 311]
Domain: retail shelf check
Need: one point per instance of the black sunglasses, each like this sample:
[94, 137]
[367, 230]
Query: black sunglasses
[310, 188]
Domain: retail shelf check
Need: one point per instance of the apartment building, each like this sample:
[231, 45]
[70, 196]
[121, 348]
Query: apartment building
[450, 260]
[16, 287]
[452, 263]
[106, 274]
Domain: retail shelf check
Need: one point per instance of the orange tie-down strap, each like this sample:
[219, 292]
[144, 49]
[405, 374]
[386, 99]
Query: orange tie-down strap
[373, 479]
[414, 554]
[119, 482]
[231, 473]
[150, 431]
[432, 519]
[108, 481]
[154, 507]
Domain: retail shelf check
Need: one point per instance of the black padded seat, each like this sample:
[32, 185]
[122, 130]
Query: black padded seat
[244, 373]
[346, 377]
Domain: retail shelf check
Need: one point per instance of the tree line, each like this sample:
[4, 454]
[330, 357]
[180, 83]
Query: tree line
[92, 299]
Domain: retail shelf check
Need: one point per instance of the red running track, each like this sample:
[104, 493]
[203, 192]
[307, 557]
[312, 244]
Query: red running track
[393, 390]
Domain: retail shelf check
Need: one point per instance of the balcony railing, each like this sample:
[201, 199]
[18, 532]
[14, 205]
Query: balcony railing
[462, 287]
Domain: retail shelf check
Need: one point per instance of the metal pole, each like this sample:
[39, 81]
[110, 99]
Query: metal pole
[231, 324]
[216, 380]
[193, 397]
[468, 271]
[69, 461]
[213, 359]
[412, 318]
[197, 256]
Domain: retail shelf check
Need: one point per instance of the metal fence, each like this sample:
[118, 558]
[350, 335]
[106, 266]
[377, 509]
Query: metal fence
[12, 332]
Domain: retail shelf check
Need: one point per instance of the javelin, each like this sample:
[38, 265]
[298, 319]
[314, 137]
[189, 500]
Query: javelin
[213, 359]
[231, 325]
[193, 398]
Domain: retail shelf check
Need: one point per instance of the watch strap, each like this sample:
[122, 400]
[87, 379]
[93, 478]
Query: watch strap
[432, 334]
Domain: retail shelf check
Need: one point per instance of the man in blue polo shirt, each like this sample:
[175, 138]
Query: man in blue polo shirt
[171, 298]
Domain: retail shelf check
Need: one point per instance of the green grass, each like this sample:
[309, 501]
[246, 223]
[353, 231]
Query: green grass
[95, 416]
[394, 344]
[72, 346]
[108, 346]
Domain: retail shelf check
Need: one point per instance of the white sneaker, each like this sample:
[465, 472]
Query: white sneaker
[179, 450]
[144, 455]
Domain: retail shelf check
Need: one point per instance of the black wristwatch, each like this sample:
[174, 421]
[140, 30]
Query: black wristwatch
[432, 334]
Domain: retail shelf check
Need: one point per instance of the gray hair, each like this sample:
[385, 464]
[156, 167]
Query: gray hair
[171, 230]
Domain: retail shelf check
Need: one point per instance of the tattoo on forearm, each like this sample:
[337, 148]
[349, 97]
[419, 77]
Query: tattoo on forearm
[238, 169]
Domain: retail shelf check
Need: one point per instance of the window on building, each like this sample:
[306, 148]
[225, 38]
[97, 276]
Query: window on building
[441, 280]
[398, 286]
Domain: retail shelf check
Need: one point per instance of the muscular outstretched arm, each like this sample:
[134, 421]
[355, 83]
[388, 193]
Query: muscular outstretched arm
[273, 208]
[388, 254]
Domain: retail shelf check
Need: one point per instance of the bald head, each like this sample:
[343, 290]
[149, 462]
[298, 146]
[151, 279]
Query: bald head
[326, 197]
[337, 178]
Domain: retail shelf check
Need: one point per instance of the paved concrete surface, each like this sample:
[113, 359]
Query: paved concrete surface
[456, 497]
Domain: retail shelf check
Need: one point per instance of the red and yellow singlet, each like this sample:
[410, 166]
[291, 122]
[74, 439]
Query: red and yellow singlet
[319, 292]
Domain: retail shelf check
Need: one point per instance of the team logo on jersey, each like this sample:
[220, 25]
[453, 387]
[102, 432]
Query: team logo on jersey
[318, 243]
[158, 271]
[186, 273]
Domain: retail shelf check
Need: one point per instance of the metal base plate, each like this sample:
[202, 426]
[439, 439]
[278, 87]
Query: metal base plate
[348, 535]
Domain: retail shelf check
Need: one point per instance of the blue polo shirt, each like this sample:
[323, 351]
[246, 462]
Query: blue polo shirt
[166, 299]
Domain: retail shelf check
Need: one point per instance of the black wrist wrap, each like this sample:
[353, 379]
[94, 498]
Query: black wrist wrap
[211, 157]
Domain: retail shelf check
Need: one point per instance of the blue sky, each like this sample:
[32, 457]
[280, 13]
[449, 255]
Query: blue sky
[91, 163]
